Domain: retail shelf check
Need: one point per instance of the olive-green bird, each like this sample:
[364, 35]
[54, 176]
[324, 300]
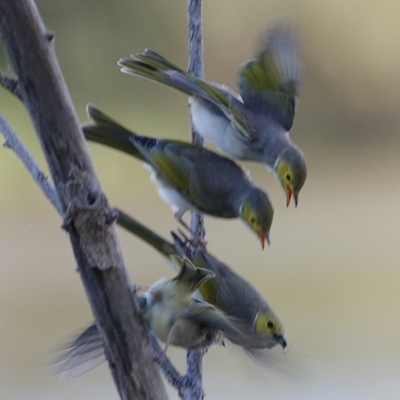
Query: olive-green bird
[171, 313]
[226, 290]
[189, 177]
[251, 126]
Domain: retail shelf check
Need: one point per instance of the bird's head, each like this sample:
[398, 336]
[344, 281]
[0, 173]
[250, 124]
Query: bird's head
[257, 212]
[269, 329]
[292, 172]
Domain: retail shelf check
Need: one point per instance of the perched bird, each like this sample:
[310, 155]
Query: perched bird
[226, 290]
[178, 319]
[189, 177]
[172, 314]
[251, 126]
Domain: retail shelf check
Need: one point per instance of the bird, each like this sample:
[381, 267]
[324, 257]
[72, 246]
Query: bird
[226, 289]
[169, 308]
[178, 319]
[190, 177]
[173, 315]
[253, 125]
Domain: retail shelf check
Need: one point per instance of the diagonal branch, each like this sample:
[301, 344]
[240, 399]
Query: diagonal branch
[87, 216]
[11, 84]
[14, 143]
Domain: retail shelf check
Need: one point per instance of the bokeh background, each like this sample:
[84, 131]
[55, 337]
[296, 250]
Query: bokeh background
[332, 272]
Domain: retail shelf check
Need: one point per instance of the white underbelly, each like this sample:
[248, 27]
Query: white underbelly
[169, 194]
[216, 129]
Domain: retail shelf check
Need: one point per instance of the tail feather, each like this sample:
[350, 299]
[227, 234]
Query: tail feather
[155, 67]
[104, 130]
[157, 61]
[150, 237]
[191, 276]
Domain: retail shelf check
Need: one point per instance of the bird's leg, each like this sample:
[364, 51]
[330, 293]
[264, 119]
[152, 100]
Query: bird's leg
[179, 216]
[198, 242]
[184, 224]
[195, 242]
[171, 333]
[185, 238]
[221, 338]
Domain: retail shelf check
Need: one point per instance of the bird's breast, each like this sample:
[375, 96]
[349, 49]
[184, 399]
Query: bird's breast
[217, 129]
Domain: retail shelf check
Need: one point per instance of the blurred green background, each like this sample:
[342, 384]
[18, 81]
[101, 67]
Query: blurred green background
[332, 272]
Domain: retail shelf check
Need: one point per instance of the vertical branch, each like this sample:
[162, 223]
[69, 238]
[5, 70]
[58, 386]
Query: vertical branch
[194, 389]
[196, 63]
[196, 68]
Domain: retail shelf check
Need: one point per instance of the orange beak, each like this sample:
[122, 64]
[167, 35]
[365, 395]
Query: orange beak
[264, 237]
[289, 193]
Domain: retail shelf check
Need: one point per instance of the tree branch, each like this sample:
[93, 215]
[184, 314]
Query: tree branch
[196, 68]
[12, 142]
[15, 144]
[11, 84]
[194, 389]
[87, 215]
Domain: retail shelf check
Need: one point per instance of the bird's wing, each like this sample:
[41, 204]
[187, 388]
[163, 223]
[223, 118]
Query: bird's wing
[233, 328]
[270, 82]
[173, 161]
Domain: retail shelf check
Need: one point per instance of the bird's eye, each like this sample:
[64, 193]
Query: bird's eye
[288, 177]
[270, 324]
[253, 220]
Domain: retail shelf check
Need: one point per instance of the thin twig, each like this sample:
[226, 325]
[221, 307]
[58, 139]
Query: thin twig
[196, 68]
[14, 143]
[11, 84]
[194, 387]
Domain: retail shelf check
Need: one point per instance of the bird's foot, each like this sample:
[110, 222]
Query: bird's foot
[196, 241]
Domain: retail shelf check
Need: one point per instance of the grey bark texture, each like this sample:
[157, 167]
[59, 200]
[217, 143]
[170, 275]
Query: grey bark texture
[194, 372]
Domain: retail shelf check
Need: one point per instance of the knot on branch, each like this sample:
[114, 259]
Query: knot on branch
[89, 217]
[50, 36]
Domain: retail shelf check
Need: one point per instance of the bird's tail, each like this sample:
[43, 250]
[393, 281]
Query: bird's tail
[189, 275]
[144, 233]
[155, 67]
[104, 130]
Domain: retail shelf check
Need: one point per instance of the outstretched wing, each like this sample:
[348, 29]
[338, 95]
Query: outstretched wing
[270, 82]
